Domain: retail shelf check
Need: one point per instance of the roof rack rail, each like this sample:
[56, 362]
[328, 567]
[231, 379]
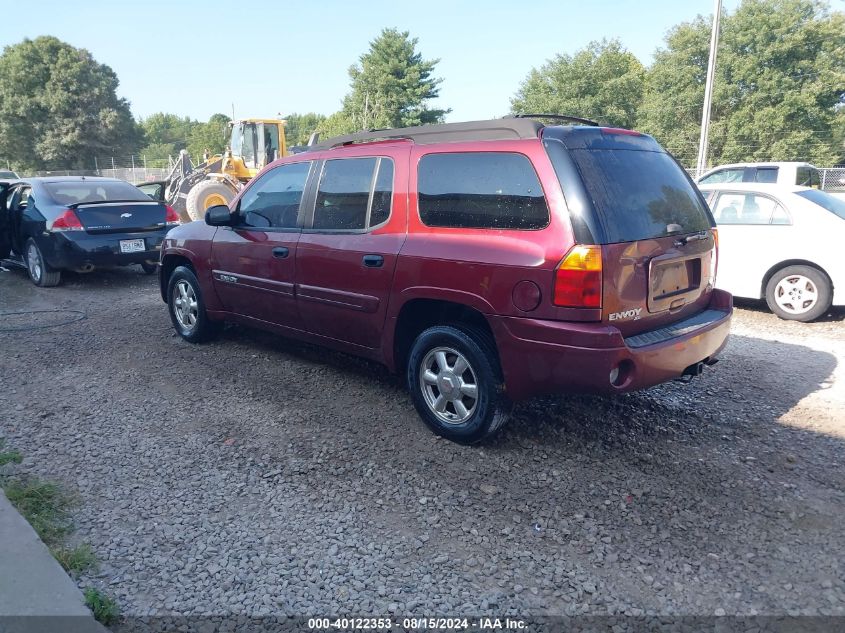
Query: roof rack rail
[490, 130]
[557, 117]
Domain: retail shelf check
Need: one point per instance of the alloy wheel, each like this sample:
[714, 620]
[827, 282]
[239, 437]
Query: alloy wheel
[449, 385]
[33, 260]
[185, 305]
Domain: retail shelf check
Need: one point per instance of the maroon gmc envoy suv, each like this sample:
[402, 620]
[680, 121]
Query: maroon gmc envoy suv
[488, 261]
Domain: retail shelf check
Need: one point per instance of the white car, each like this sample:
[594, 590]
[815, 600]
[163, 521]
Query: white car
[783, 243]
[783, 173]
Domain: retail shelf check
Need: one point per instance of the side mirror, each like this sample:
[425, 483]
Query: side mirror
[219, 215]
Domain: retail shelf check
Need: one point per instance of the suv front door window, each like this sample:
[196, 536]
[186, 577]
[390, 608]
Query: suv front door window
[254, 261]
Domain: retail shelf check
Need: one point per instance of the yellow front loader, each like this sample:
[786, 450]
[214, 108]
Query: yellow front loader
[253, 143]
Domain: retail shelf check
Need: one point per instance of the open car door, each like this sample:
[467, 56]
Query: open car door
[5, 222]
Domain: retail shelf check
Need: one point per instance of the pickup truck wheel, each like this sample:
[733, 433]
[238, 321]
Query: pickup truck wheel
[456, 383]
[799, 293]
[39, 270]
[187, 309]
[149, 269]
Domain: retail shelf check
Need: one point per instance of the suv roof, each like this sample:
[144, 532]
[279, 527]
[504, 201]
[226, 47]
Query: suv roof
[507, 128]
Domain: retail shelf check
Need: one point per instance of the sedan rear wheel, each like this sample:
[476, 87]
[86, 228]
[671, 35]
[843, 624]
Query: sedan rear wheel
[799, 293]
[39, 271]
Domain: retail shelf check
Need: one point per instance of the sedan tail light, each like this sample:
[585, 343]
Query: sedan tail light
[171, 217]
[578, 278]
[67, 221]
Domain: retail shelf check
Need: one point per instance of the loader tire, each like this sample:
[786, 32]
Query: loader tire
[207, 194]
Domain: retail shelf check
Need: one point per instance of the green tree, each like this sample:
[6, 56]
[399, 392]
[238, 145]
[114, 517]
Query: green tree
[778, 92]
[299, 127]
[168, 129]
[603, 81]
[59, 107]
[211, 136]
[390, 87]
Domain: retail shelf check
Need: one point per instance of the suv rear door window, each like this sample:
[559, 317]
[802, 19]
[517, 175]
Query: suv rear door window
[640, 194]
[487, 190]
[354, 194]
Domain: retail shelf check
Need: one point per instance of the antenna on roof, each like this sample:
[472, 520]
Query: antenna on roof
[557, 117]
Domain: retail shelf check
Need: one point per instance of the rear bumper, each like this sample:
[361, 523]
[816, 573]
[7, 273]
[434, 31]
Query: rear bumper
[542, 357]
[77, 249]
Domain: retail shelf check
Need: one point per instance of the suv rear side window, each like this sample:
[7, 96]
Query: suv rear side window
[808, 177]
[354, 194]
[487, 190]
[640, 194]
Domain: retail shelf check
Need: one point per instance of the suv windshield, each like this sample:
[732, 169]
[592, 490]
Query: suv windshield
[81, 191]
[637, 194]
[825, 200]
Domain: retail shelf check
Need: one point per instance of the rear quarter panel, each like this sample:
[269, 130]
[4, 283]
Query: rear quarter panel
[481, 267]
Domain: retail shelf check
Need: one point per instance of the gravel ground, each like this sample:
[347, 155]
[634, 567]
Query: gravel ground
[256, 475]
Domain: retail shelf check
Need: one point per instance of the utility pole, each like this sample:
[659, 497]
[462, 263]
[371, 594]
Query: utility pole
[708, 91]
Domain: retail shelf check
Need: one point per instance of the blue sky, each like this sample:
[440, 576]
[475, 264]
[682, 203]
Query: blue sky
[196, 58]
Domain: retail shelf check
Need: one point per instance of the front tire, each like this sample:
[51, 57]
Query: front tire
[187, 308]
[456, 383]
[799, 293]
[206, 194]
[39, 270]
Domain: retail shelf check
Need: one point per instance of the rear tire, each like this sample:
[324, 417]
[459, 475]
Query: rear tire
[456, 383]
[39, 270]
[187, 308]
[149, 269]
[799, 293]
[206, 194]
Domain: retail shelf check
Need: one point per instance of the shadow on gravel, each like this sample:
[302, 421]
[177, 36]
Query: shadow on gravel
[756, 382]
[118, 278]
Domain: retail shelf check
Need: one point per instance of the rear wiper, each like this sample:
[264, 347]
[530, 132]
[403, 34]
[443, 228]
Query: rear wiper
[694, 237]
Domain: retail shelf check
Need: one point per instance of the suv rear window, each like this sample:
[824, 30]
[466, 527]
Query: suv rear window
[639, 194]
[80, 191]
[487, 190]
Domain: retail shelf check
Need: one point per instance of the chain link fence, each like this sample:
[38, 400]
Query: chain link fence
[134, 169]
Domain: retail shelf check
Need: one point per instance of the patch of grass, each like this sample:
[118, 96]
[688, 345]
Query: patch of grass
[76, 559]
[105, 609]
[44, 505]
[47, 508]
[10, 456]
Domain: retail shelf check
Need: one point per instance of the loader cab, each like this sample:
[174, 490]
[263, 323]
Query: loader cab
[257, 142]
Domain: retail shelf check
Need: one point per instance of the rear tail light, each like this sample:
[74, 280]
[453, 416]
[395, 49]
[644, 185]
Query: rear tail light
[67, 221]
[171, 217]
[714, 258]
[578, 278]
